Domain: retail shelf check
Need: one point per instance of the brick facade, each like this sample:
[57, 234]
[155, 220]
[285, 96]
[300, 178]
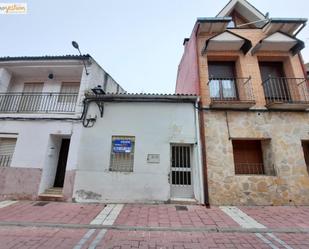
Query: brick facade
[283, 131]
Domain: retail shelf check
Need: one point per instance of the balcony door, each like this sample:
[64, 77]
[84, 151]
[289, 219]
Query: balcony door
[31, 97]
[222, 83]
[274, 82]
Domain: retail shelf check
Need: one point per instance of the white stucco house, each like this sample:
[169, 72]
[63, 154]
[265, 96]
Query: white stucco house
[143, 148]
[40, 122]
[63, 138]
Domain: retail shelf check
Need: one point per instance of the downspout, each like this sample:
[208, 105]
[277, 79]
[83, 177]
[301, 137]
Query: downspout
[202, 129]
[199, 156]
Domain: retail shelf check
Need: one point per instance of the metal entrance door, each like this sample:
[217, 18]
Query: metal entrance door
[181, 172]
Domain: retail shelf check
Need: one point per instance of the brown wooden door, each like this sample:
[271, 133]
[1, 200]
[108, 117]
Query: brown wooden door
[274, 82]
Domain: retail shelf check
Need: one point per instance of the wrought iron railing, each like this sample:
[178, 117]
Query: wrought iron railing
[37, 102]
[5, 160]
[288, 90]
[231, 89]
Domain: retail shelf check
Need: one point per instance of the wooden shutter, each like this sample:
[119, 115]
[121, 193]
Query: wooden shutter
[70, 87]
[248, 158]
[33, 87]
[7, 147]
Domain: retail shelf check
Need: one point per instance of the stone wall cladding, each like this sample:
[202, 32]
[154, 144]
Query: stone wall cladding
[19, 183]
[290, 185]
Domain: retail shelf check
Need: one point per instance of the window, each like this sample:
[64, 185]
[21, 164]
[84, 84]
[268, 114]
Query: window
[305, 145]
[69, 92]
[7, 147]
[248, 157]
[31, 98]
[275, 84]
[222, 80]
[122, 153]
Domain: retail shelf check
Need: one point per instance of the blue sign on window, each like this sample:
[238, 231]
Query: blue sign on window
[122, 146]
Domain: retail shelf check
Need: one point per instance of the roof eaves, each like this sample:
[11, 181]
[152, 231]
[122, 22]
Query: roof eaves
[144, 97]
[214, 19]
[46, 57]
[288, 20]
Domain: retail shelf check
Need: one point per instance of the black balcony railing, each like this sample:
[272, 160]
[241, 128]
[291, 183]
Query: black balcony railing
[5, 160]
[287, 90]
[38, 102]
[231, 89]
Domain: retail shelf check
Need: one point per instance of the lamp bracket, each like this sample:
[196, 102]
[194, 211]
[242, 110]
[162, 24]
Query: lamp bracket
[100, 105]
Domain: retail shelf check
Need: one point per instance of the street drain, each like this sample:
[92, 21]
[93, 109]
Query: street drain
[41, 203]
[181, 208]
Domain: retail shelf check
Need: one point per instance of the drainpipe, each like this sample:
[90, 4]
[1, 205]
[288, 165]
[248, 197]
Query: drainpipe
[202, 129]
[199, 155]
[204, 158]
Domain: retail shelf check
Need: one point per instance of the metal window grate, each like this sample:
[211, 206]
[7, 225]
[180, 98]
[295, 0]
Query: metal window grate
[122, 161]
[181, 165]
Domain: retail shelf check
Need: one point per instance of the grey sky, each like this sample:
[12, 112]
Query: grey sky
[138, 42]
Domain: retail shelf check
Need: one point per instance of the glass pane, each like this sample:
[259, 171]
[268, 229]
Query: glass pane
[214, 89]
[228, 88]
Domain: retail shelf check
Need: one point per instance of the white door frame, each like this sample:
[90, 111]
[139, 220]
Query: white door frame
[181, 184]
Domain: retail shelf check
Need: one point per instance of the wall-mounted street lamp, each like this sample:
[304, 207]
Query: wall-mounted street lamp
[76, 46]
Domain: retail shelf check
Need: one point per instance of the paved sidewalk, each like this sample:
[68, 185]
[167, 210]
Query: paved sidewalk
[27, 225]
[168, 216]
[54, 212]
[276, 217]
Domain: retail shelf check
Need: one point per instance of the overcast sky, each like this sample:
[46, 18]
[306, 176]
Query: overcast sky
[138, 42]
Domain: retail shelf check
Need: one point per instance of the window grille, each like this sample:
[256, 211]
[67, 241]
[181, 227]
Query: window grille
[181, 165]
[7, 147]
[122, 159]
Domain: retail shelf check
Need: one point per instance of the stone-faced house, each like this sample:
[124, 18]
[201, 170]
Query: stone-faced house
[247, 68]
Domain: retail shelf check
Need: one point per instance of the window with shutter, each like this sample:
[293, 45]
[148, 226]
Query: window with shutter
[69, 92]
[122, 154]
[248, 157]
[7, 147]
[31, 98]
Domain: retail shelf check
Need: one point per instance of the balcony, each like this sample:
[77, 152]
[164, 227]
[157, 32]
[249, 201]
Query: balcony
[5, 160]
[283, 93]
[38, 102]
[231, 93]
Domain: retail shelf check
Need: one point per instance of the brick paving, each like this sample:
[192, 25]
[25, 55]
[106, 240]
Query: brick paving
[278, 217]
[54, 212]
[147, 217]
[168, 216]
[35, 238]
[196, 240]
